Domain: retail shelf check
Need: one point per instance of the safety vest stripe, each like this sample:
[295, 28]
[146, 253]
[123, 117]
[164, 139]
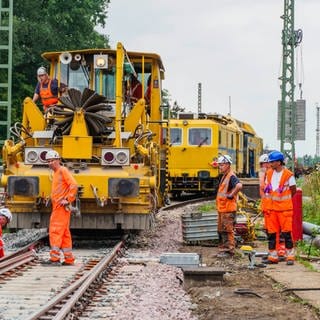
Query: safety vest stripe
[222, 194]
[282, 198]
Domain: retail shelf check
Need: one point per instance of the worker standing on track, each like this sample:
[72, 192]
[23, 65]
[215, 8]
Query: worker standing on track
[280, 187]
[226, 202]
[5, 218]
[64, 190]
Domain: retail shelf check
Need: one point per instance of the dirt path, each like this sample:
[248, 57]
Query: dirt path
[221, 302]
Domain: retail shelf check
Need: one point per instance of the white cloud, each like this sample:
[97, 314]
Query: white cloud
[232, 47]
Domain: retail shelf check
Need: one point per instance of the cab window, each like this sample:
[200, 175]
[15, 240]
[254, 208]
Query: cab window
[199, 136]
[175, 136]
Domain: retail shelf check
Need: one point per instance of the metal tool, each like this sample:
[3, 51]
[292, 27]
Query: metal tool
[252, 254]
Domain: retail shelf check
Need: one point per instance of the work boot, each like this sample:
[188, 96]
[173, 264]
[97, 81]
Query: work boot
[290, 257]
[273, 257]
[281, 252]
[50, 263]
[67, 264]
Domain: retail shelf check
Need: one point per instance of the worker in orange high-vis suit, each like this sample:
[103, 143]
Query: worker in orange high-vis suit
[226, 203]
[64, 191]
[264, 167]
[280, 186]
[5, 218]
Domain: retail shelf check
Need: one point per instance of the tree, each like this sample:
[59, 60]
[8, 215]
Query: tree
[51, 25]
[174, 109]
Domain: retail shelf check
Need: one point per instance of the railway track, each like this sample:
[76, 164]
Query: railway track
[31, 290]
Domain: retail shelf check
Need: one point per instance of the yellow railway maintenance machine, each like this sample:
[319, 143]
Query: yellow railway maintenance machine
[196, 141]
[108, 140]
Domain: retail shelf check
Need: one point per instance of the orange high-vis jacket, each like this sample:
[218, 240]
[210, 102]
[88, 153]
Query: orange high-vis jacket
[281, 198]
[262, 185]
[47, 97]
[64, 186]
[223, 203]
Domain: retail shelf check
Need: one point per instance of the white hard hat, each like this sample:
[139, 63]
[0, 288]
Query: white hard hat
[225, 159]
[263, 158]
[6, 213]
[52, 154]
[41, 71]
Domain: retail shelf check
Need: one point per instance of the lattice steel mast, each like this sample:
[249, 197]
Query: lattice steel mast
[290, 39]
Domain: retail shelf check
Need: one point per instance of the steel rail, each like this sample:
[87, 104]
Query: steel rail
[17, 261]
[76, 290]
[184, 203]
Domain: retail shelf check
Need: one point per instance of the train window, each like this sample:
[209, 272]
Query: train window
[72, 77]
[175, 136]
[232, 141]
[199, 136]
[219, 137]
[105, 83]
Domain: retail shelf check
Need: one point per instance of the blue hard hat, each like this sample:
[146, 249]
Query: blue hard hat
[276, 156]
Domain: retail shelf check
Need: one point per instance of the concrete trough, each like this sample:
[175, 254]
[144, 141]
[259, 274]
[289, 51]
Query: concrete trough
[182, 260]
[202, 276]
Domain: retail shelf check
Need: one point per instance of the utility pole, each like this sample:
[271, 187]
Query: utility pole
[290, 39]
[199, 98]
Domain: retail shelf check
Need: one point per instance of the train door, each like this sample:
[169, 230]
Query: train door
[251, 163]
[245, 155]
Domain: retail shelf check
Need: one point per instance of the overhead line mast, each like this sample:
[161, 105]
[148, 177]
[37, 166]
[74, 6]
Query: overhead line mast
[288, 116]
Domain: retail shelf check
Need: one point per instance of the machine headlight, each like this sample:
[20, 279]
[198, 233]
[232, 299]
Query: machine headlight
[122, 157]
[43, 156]
[119, 187]
[32, 156]
[115, 157]
[35, 155]
[109, 157]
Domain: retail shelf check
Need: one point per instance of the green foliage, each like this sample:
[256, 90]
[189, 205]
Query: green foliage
[50, 25]
[311, 188]
[308, 248]
[169, 109]
[207, 207]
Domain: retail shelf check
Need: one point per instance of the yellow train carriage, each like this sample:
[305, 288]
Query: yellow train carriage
[196, 142]
[109, 141]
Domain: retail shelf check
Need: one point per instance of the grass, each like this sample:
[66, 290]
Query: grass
[310, 185]
[207, 207]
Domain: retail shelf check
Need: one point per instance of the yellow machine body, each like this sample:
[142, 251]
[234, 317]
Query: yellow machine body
[110, 144]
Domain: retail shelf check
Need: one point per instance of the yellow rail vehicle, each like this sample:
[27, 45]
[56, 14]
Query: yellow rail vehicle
[108, 137]
[196, 142]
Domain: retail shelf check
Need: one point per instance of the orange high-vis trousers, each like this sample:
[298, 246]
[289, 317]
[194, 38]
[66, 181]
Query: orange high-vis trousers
[60, 236]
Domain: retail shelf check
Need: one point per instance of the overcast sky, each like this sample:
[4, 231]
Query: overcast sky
[233, 48]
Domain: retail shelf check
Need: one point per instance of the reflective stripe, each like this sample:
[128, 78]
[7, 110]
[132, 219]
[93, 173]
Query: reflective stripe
[281, 198]
[66, 250]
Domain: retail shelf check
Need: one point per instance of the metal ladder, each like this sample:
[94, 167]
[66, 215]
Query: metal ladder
[6, 27]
